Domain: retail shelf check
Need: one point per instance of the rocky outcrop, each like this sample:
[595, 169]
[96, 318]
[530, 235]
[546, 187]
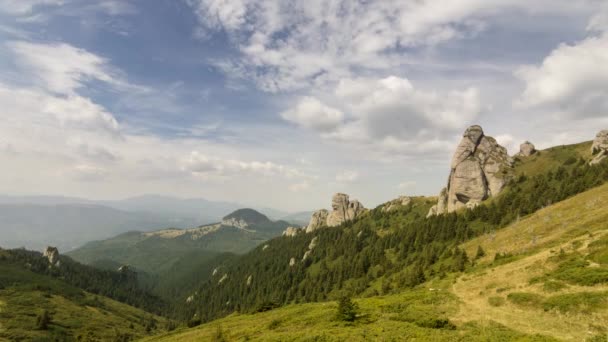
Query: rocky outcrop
[52, 255]
[526, 149]
[343, 209]
[236, 223]
[480, 169]
[318, 220]
[249, 280]
[291, 231]
[599, 149]
[402, 201]
[292, 262]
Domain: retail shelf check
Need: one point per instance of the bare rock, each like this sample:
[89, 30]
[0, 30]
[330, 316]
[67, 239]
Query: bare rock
[52, 255]
[480, 169]
[318, 220]
[236, 223]
[291, 231]
[526, 149]
[343, 210]
[599, 149]
[249, 280]
[292, 262]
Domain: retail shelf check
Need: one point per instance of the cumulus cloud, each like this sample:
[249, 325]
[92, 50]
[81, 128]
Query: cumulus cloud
[312, 113]
[288, 45]
[200, 164]
[389, 113]
[571, 80]
[20, 7]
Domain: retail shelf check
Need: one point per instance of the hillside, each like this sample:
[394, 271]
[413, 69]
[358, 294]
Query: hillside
[552, 285]
[156, 252]
[27, 292]
[384, 250]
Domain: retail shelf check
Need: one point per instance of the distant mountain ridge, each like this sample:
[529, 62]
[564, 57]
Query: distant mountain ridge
[156, 251]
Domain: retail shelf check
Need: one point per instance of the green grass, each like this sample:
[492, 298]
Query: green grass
[581, 302]
[525, 299]
[421, 314]
[75, 314]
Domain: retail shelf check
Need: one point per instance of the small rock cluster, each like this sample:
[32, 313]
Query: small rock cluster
[52, 255]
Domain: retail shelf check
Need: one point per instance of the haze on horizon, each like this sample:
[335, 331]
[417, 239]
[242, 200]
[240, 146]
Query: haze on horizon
[280, 104]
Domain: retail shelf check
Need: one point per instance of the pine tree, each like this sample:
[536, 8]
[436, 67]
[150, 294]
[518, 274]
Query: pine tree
[347, 309]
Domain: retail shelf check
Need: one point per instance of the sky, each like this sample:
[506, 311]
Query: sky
[283, 103]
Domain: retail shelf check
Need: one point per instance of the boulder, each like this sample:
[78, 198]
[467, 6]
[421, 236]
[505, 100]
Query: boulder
[343, 209]
[291, 231]
[480, 168]
[292, 262]
[526, 149]
[52, 255]
[599, 149]
[318, 220]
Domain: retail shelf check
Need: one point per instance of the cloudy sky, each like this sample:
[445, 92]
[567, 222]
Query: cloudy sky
[282, 103]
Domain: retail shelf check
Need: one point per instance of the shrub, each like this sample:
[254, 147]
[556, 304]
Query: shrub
[496, 301]
[43, 320]
[347, 310]
[525, 299]
[218, 336]
[274, 324]
[584, 302]
[553, 286]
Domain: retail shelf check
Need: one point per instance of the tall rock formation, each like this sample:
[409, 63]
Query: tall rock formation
[599, 149]
[343, 209]
[480, 169]
[52, 255]
[526, 149]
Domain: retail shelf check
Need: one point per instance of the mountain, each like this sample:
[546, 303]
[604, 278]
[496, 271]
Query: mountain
[68, 222]
[52, 298]
[539, 280]
[157, 251]
[67, 225]
[526, 260]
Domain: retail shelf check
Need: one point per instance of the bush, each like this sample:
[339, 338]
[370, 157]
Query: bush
[347, 310]
[274, 324]
[496, 301]
[553, 286]
[194, 322]
[219, 335]
[43, 320]
[525, 299]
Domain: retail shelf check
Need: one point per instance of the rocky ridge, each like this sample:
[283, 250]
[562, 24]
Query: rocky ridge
[52, 255]
[480, 168]
[526, 149]
[343, 209]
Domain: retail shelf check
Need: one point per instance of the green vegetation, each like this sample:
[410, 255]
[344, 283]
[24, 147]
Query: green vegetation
[40, 307]
[347, 310]
[496, 301]
[383, 251]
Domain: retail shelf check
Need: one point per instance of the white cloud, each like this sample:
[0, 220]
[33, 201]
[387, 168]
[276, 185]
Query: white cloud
[20, 7]
[312, 113]
[389, 114]
[200, 164]
[347, 176]
[288, 45]
[61, 68]
[571, 80]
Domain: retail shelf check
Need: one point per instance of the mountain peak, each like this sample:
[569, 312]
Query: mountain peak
[243, 218]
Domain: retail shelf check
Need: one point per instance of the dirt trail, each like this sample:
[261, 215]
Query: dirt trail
[473, 290]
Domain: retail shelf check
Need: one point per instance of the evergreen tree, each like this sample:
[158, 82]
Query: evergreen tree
[347, 309]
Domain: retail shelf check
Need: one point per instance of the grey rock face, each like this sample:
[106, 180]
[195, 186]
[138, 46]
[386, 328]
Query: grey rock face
[233, 222]
[480, 169]
[52, 254]
[599, 149]
[526, 149]
[343, 209]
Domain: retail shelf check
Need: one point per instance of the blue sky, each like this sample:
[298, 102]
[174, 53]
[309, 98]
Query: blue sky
[282, 103]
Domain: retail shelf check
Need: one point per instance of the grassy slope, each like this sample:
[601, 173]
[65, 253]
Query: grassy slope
[465, 300]
[74, 312]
